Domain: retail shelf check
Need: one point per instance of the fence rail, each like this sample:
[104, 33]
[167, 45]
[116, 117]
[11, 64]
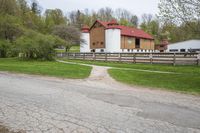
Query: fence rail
[152, 58]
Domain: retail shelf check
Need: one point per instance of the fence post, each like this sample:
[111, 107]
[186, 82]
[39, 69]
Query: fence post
[83, 56]
[94, 56]
[120, 57]
[174, 59]
[151, 58]
[134, 58]
[198, 59]
[106, 56]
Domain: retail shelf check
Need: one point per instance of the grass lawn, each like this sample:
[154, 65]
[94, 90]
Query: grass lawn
[185, 78]
[155, 67]
[49, 68]
[75, 49]
[188, 83]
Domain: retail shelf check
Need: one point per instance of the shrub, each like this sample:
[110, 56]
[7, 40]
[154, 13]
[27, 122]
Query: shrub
[4, 47]
[33, 45]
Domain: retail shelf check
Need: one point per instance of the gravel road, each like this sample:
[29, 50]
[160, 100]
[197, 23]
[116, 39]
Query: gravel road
[38, 104]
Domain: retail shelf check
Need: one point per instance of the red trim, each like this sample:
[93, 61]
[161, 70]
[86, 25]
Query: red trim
[125, 31]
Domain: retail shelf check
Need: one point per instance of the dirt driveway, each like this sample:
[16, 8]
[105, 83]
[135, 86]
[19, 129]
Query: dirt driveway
[97, 104]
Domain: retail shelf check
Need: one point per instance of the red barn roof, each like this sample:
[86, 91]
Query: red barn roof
[125, 30]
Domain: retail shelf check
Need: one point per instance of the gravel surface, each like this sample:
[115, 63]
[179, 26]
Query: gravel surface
[38, 104]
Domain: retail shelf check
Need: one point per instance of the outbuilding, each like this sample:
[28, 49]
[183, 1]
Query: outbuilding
[185, 46]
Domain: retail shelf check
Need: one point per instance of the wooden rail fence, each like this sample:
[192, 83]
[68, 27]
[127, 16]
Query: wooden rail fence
[152, 58]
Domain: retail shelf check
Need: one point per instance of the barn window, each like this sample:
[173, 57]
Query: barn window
[182, 50]
[137, 43]
[173, 50]
[93, 43]
[101, 43]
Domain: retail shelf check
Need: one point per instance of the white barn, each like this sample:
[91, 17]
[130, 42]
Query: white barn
[186, 46]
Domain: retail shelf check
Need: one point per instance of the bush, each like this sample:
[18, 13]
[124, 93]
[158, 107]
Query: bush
[33, 45]
[4, 47]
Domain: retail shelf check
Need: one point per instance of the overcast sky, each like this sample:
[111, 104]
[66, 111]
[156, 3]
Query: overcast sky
[137, 7]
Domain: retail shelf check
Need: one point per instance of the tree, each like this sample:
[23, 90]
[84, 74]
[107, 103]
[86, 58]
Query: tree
[10, 27]
[8, 7]
[68, 33]
[33, 45]
[151, 25]
[4, 47]
[53, 17]
[181, 12]
[126, 18]
[105, 14]
[35, 8]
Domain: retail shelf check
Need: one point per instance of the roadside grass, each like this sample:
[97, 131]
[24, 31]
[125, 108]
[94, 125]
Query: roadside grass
[184, 79]
[187, 83]
[48, 68]
[194, 70]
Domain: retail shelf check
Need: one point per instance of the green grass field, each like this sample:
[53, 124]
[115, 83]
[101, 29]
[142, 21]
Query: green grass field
[48, 68]
[188, 82]
[155, 67]
[184, 79]
[75, 49]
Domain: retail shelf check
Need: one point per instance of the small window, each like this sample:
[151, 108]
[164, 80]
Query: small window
[101, 43]
[128, 50]
[182, 50]
[93, 43]
[102, 50]
[142, 50]
[173, 50]
[138, 50]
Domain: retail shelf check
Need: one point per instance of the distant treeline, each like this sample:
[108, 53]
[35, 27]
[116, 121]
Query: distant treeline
[25, 30]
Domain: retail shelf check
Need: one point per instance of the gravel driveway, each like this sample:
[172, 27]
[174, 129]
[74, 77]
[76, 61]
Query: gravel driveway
[98, 104]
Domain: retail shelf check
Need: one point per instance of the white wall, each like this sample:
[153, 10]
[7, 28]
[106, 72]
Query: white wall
[85, 47]
[113, 40]
[192, 44]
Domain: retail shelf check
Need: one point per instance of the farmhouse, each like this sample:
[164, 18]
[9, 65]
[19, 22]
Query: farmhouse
[186, 46]
[112, 37]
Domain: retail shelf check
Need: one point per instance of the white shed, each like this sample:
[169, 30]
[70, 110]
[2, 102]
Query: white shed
[186, 46]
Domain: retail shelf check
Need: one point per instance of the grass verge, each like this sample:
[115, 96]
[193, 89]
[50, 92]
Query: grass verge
[48, 68]
[184, 79]
[195, 70]
[187, 83]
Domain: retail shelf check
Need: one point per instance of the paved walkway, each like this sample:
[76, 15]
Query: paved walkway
[98, 104]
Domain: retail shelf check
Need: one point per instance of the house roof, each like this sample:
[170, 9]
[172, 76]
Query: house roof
[125, 30]
[188, 42]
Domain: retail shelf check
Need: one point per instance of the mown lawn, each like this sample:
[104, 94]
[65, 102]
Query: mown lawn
[187, 82]
[75, 49]
[184, 79]
[155, 67]
[48, 68]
